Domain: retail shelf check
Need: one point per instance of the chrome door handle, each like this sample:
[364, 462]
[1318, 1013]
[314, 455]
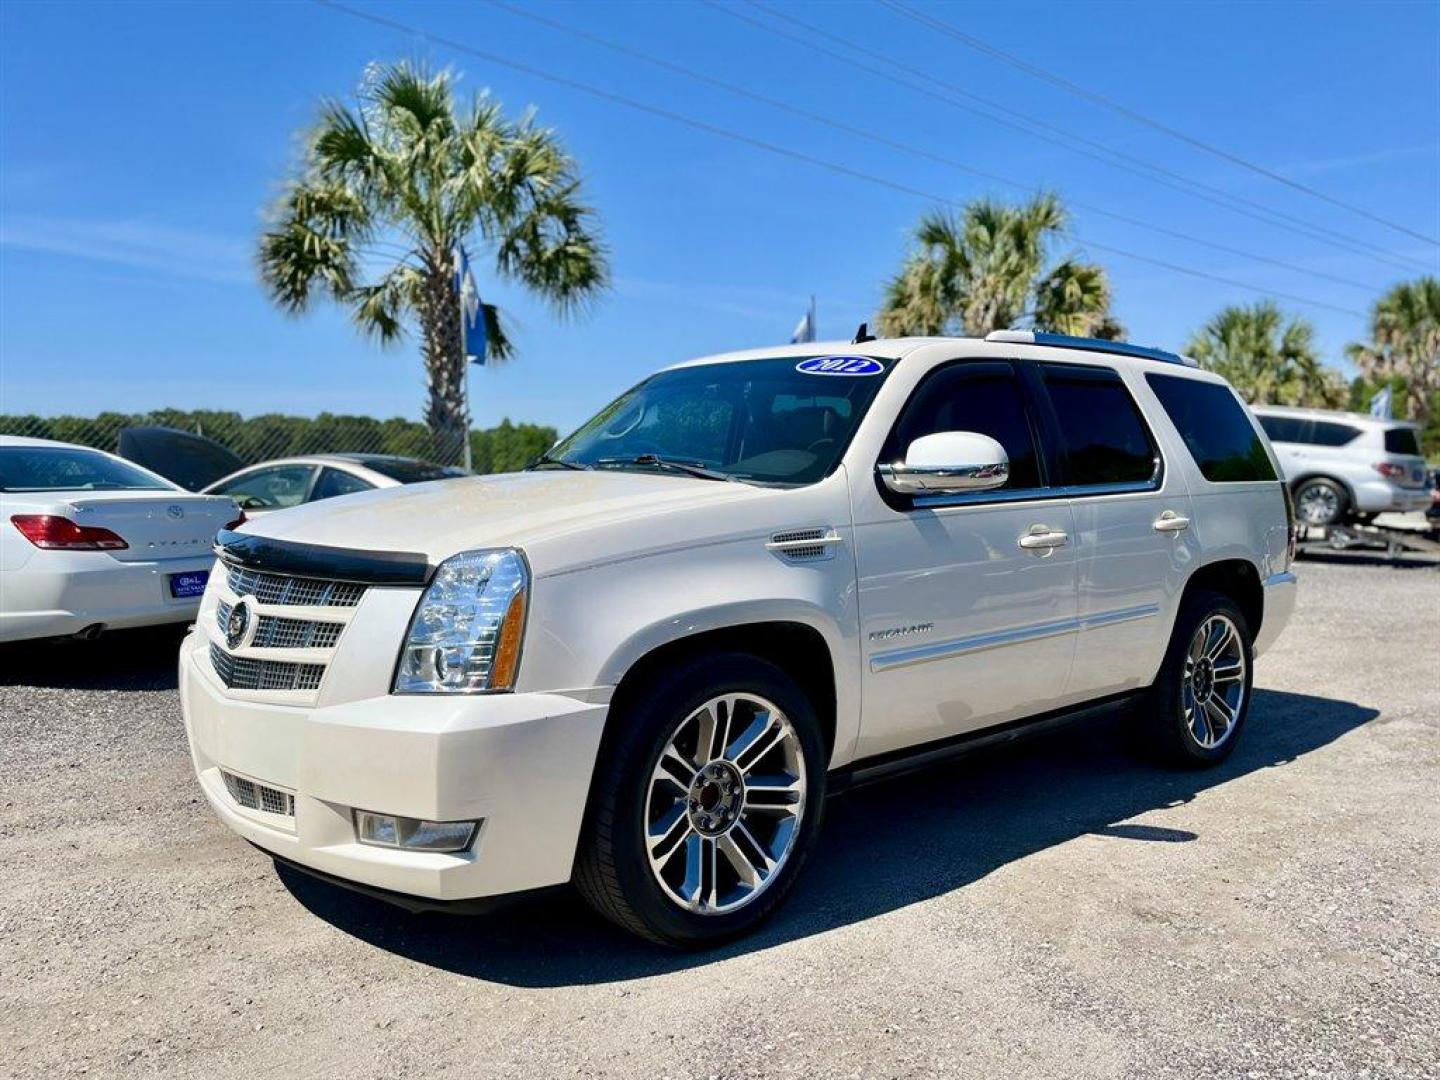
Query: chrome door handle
[1042, 537]
[1170, 521]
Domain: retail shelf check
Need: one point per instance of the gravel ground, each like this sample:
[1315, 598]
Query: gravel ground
[1058, 909]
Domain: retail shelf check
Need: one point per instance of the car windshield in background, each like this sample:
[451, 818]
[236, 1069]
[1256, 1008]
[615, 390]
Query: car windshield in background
[43, 468]
[774, 421]
[408, 470]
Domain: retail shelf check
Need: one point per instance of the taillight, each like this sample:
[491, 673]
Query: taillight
[1292, 526]
[237, 522]
[61, 534]
[1389, 470]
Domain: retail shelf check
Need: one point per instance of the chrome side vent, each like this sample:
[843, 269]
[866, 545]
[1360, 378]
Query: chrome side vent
[805, 545]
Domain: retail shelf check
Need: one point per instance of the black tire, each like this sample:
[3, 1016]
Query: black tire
[612, 867]
[1321, 501]
[1161, 718]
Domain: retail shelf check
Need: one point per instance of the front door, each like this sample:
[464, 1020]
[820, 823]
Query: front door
[962, 626]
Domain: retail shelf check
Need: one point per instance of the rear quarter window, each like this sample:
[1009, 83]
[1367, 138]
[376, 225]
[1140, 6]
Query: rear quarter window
[1402, 440]
[1215, 428]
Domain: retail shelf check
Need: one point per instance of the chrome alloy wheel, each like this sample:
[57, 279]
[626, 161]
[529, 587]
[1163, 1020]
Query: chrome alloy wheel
[1212, 690]
[725, 804]
[1318, 504]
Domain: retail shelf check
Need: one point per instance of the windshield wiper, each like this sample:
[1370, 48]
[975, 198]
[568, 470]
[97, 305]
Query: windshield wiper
[547, 459]
[687, 467]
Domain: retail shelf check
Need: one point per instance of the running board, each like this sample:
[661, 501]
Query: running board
[914, 758]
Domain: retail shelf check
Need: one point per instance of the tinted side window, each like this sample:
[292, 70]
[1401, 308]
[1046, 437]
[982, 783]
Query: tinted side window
[1402, 440]
[1279, 428]
[1330, 434]
[1105, 437]
[334, 482]
[1215, 429]
[984, 398]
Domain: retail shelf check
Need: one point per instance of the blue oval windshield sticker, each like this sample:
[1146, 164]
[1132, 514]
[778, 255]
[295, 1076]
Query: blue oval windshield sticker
[840, 365]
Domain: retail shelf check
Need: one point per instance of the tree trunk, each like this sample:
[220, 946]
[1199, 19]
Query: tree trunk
[446, 411]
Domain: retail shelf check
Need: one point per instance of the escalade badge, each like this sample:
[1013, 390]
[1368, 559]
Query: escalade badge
[901, 631]
[238, 623]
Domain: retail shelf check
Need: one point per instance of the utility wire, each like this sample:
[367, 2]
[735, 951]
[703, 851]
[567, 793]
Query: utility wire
[1094, 97]
[951, 93]
[895, 144]
[760, 144]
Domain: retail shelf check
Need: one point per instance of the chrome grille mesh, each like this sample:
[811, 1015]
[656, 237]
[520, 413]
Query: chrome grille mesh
[293, 591]
[247, 673]
[255, 796]
[277, 632]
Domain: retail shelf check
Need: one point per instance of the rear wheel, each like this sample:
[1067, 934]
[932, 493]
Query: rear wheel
[1201, 699]
[706, 803]
[1321, 501]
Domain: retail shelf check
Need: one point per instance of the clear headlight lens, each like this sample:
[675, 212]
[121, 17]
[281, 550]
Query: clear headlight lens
[465, 634]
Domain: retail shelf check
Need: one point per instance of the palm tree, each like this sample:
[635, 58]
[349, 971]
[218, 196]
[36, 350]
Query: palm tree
[387, 190]
[986, 269]
[1405, 343]
[1270, 359]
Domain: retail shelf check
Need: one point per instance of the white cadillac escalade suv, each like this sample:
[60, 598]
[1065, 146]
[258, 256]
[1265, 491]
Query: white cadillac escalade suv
[751, 580]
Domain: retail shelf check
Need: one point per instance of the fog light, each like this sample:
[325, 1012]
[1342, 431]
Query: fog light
[412, 834]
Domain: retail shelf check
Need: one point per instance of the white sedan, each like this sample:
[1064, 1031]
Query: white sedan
[285, 482]
[90, 541]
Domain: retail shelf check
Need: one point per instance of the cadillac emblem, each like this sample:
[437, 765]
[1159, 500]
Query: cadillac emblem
[238, 625]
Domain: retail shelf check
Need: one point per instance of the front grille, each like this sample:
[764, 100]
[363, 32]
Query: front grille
[255, 796]
[277, 632]
[293, 591]
[247, 673]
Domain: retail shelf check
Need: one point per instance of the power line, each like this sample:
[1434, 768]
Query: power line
[948, 92]
[760, 144]
[895, 144]
[1037, 72]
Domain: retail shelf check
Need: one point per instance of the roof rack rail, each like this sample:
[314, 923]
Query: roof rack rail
[1066, 341]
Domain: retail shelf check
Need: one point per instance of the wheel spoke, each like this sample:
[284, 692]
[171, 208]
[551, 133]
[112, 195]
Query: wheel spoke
[698, 888]
[1218, 709]
[751, 866]
[757, 741]
[714, 727]
[666, 835]
[1229, 672]
[674, 769]
[1222, 641]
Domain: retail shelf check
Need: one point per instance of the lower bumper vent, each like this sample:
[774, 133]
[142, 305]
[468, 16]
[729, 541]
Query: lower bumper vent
[255, 796]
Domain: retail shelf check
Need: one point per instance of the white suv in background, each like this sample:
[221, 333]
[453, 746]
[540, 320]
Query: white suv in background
[749, 581]
[1344, 465]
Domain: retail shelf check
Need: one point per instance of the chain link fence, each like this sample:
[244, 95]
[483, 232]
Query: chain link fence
[503, 448]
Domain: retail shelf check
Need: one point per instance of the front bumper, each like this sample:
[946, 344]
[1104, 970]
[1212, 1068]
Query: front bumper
[522, 763]
[1279, 592]
[62, 592]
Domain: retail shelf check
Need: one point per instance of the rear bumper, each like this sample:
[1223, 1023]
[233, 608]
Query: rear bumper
[1279, 593]
[521, 763]
[1377, 496]
[63, 592]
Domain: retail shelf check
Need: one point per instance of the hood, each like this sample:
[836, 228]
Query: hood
[542, 511]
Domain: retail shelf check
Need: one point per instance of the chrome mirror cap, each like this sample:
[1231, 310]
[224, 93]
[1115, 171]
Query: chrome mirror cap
[948, 463]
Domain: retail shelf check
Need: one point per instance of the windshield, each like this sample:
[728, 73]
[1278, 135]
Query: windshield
[764, 421]
[45, 468]
[410, 470]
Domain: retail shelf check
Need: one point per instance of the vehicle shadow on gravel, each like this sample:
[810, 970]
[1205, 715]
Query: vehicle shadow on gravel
[118, 660]
[883, 847]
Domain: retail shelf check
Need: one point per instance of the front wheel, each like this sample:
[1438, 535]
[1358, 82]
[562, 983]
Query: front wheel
[706, 803]
[1201, 699]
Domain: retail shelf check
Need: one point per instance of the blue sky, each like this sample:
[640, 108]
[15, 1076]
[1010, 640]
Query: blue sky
[140, 144]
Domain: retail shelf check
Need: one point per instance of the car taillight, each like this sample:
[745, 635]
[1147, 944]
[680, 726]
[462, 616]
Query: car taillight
[1389, 470]
[61, 534]
[1292, 526]
[237, 522]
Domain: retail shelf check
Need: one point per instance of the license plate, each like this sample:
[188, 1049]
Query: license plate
[192, 584]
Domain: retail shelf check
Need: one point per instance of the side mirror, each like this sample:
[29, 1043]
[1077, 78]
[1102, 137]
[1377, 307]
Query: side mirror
[948, 463]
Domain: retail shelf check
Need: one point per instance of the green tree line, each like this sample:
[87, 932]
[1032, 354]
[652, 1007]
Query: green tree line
[504, 448]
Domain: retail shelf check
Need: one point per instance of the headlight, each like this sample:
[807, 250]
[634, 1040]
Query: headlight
[465, 634]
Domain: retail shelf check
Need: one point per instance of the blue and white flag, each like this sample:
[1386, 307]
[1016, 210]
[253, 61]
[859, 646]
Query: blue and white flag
[805, 328]
[1381, 403]
[472, 313]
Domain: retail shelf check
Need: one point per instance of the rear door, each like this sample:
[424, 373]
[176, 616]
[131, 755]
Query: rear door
[1131, 521]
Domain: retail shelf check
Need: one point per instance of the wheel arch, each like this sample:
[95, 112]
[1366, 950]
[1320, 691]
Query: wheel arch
[1236, 578]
